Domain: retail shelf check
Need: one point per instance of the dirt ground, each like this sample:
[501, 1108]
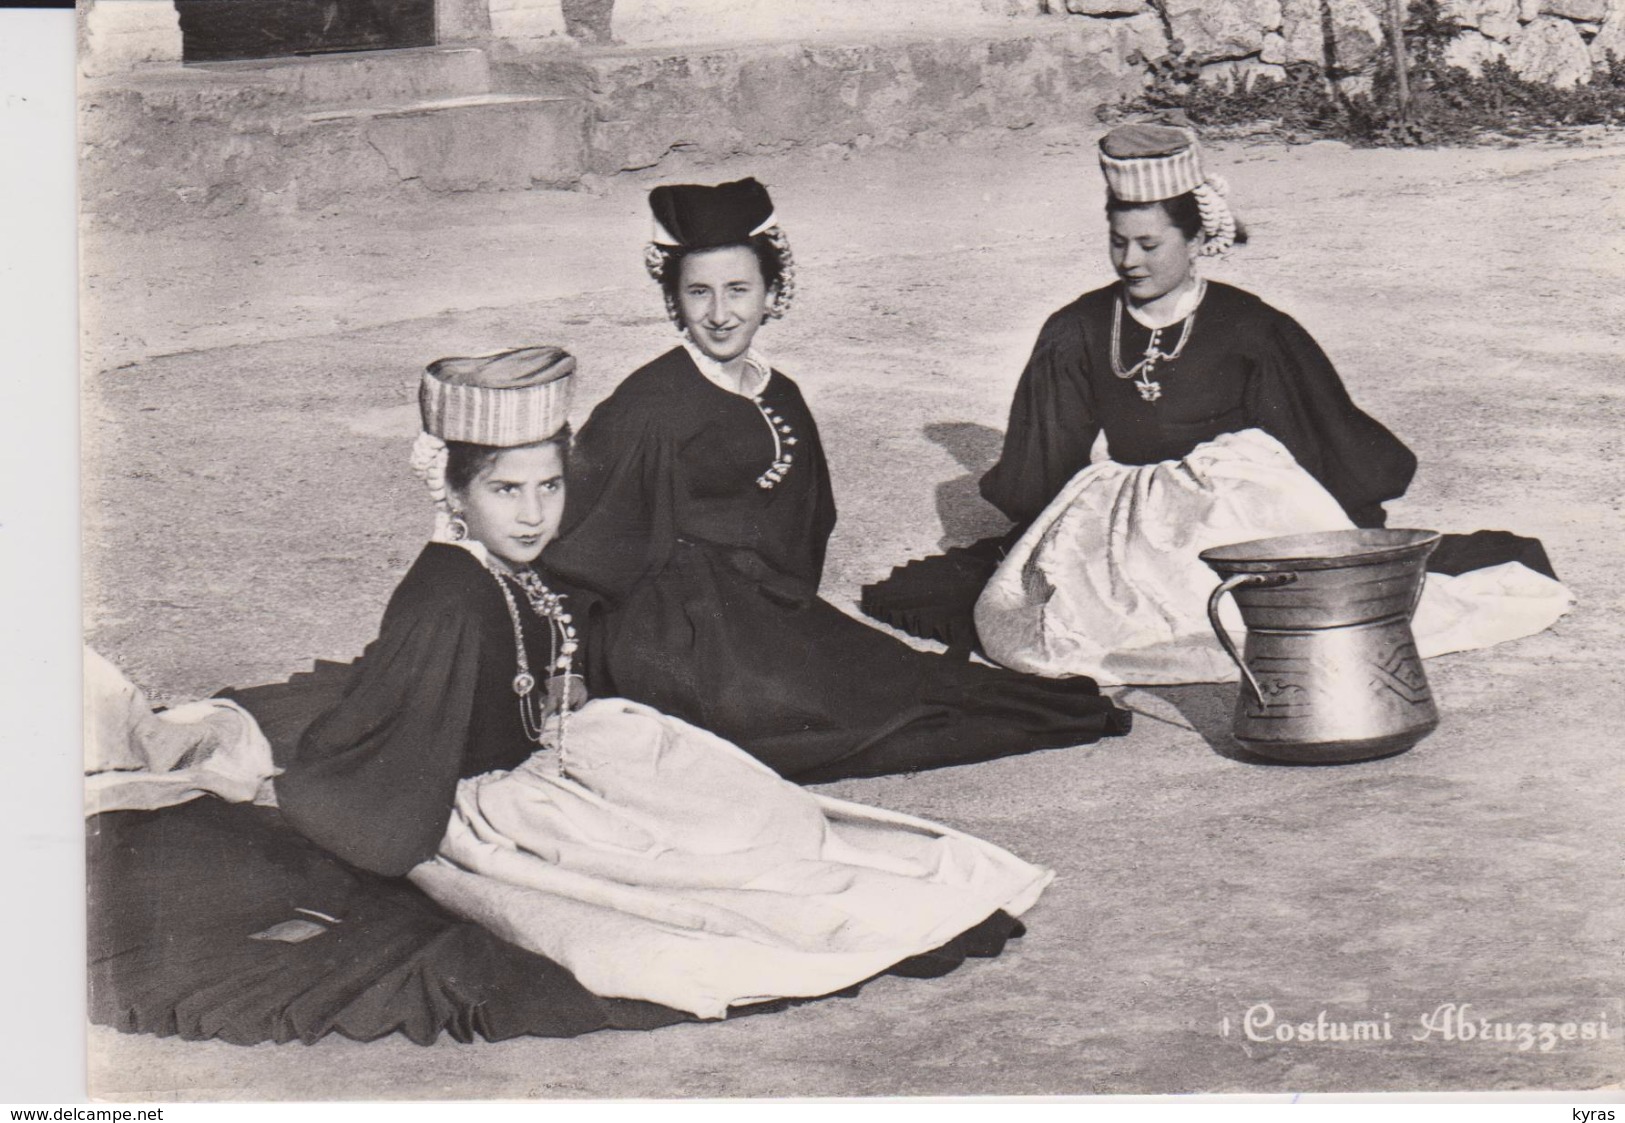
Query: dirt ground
[250, 508]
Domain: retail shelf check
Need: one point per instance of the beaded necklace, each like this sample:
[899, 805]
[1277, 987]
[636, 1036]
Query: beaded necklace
[784, 437]
[1150, 390]
[562, 645]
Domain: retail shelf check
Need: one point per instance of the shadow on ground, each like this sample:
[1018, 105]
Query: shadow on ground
[965, 515]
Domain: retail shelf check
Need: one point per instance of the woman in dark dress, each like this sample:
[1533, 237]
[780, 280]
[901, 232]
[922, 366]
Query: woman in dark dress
[459, 842]
[700, 508]
[1222, 420]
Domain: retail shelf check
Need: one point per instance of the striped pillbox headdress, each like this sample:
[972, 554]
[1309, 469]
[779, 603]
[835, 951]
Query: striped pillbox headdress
[1146, 163]
[502, 400]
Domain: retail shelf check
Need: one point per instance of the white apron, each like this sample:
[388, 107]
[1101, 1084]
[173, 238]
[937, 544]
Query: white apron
[1107, 582]
[667, 866]
[670, 866]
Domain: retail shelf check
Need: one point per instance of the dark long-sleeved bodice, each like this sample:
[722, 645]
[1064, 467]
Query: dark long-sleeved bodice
[430, 702]
[216, 920]
[1245, 365]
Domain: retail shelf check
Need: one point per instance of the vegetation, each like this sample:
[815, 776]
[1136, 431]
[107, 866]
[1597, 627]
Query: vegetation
[1447, 105]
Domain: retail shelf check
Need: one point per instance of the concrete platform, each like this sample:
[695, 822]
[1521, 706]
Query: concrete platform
[167, 146]
[250, 508]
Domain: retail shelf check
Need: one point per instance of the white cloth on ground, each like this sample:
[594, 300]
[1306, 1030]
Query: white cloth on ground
[137, 760]
[670, 866]
[1107, 581]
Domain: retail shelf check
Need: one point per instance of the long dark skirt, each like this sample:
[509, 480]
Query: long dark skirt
[215, 920]
[818, 695]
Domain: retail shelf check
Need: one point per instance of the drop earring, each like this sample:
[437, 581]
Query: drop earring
[458, 526]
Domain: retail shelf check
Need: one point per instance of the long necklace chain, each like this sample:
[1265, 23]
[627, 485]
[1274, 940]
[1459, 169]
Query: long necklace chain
[1150, 390]
[562, 646]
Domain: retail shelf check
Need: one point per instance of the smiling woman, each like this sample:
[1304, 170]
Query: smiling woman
[1163, 415]
[700, 508]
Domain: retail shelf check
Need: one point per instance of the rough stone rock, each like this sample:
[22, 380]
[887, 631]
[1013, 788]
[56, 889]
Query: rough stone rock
[1106, 7]
[527, 19]
[773, 96]
[586, 20]
[1221, 29]
[1471, 51]
[1356, 32]
[123, 34]
[1528, 10]
[1592, 10]
[1274, 51]
[1240, 73]
[1018, 7]
[1550, 50]
[1611, 36]
[1496, 18]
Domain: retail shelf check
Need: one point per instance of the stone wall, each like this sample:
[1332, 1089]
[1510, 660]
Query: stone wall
[544, 93]
[1556, 41]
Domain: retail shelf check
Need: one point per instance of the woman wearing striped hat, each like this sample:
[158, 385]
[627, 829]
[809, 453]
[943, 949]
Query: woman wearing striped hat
[1159, 416]
[459, 841]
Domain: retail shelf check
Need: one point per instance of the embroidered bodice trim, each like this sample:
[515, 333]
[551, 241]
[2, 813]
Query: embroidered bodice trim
[759, 374]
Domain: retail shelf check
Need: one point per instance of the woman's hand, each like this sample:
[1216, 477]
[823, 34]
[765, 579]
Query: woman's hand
[571, 690]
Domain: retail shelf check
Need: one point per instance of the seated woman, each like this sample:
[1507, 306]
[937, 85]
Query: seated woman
[1222, 421]
[700, 508]
[458, 844]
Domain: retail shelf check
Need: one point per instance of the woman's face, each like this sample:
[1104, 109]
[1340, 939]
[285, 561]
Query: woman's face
[1152, 256]
[722, 299]
[513, 507]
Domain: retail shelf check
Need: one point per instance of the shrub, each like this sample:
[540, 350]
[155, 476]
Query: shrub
[1448, 104]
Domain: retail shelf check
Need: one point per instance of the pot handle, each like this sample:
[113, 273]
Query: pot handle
[1266, 580]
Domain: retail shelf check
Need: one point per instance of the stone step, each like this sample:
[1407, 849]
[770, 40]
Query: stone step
[362, 77]
[490, 142]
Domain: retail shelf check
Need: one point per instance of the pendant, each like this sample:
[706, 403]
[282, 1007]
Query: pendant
[523, 683]
[1150, 391]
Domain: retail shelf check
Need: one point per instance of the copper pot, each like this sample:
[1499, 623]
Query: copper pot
[1330, 671]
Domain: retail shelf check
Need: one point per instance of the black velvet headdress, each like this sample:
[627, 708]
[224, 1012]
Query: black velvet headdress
[698, 216]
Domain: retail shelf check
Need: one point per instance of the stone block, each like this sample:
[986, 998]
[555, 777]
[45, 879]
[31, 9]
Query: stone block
[1550, 50]
[1021, 9]
[661, 23]
[1240, 73]
[1611, 36]
[1106, 7]
[460, 21]
[1471, 51]
[1221, 29]
[1356, 33]
[527, 19]
[368, 77]
[766, 97]
[1274, 50]
[1528, 10]
[1590, 10]
[1497, 19]
[123, 34]
[492, 143]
